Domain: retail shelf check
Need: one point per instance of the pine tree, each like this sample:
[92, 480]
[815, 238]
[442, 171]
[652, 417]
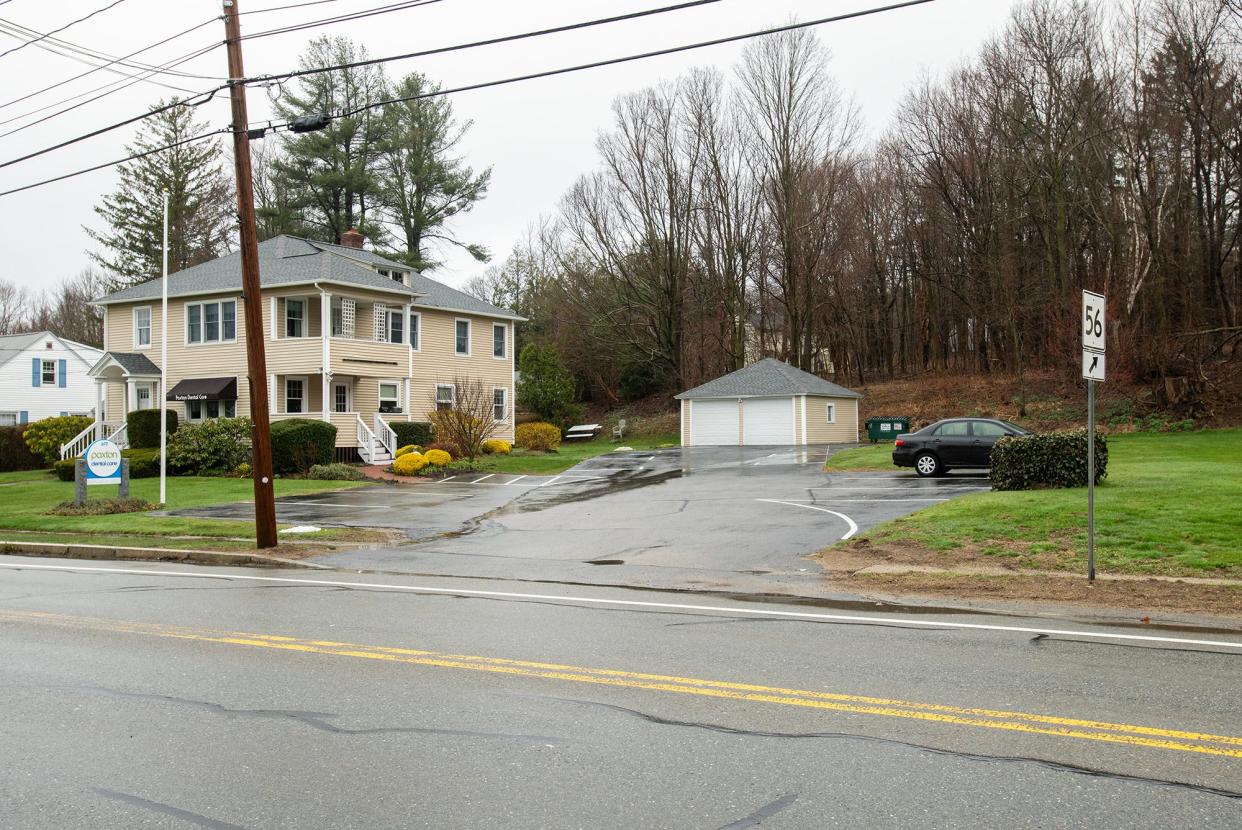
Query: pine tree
[200, 203]
[424, 186]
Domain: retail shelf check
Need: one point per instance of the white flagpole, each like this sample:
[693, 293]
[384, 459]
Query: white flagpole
[164, 365]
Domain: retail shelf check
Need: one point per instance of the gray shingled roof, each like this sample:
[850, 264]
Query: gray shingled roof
[291, 260]
[11, 345]
[133, 363]
[767, 378]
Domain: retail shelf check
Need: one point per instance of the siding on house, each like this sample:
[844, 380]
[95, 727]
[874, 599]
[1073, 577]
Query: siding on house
[437, 362]
[819, 431]
[22, 396]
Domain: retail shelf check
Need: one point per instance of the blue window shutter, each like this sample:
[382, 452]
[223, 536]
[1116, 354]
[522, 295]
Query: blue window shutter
[23, 417]
[34, 371]
[61, 373]
[63, 413]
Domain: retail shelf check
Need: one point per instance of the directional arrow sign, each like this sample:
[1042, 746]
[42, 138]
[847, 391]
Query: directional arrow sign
[1092, 365]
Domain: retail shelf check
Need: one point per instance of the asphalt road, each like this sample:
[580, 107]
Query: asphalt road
[169, 696]
[703, 518]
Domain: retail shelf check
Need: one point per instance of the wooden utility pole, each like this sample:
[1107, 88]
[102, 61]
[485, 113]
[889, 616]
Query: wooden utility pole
[256, 360]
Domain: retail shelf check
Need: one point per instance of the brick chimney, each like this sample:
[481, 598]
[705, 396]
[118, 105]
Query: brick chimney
[352, 239]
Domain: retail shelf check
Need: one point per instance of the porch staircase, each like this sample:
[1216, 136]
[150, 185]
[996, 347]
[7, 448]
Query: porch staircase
[117, 433]
[376, 446]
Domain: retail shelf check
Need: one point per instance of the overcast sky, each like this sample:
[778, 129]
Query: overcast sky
[537, 136]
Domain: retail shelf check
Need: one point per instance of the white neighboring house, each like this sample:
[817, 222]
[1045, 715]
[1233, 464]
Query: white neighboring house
[43, 376]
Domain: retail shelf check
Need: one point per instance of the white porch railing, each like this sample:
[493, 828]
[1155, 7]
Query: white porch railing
[366, 441]
[386, 435]
[98, 429]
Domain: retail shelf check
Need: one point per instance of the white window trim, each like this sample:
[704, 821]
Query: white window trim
[452, 401]
[505, 404]
[148, 385]
[399, 313]
[202, 321]
[379, 398]
[469, 336]
[284, 394]
[284, 318]
[43, 381]
[505, 327]
[202, 408]
[150, 326]
[410, 338]
[830, 413]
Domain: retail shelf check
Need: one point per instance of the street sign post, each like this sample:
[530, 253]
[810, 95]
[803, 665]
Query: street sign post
[1093, 345]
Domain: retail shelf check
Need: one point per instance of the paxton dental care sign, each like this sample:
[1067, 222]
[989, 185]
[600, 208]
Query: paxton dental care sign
[103, 463]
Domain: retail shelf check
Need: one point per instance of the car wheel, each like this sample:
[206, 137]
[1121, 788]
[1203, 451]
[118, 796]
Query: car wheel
[927, 465]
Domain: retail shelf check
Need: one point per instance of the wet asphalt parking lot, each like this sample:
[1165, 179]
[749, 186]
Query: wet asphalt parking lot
[706, 518]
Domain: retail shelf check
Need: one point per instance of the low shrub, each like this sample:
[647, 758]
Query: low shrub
[335, 472]
[300, 443]
[101, 507]
[419, 433]
[461, 465]
[496, 446]
[406, 449]
[1055, 459]
[538, 436]
[45, 437]
[438, 458]
[64, 468]
[142, 427]
[445, 446]
[143, 462]
[409, 464]
[243, 470]
[14, 454]
[215, 444]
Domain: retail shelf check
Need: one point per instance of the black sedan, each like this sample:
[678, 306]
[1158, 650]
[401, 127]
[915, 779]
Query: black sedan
[952, 443]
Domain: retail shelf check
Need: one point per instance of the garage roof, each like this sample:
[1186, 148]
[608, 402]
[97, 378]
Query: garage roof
[767, 378]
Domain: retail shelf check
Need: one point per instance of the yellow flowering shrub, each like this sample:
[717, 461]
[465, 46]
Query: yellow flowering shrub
[408, 448]
[538, 436]
[409, 464]
[496, 446]
[438, 458]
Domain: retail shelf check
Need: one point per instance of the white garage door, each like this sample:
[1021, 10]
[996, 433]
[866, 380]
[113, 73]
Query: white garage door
[767, 421]
[713, 423]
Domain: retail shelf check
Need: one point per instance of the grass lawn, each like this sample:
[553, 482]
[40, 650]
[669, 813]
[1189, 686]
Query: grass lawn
[25, 497]
[526, 462]
[869, 457]
[1170, 505]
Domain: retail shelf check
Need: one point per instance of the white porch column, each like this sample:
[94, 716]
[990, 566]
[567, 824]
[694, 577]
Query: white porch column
[325, 333]
[409, 358]
[101, 397]
[131, 396]
[271, 394]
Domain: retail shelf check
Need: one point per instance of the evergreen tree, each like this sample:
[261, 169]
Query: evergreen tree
[329, 174]
[544, 386]
[200, 203]
[424, 185]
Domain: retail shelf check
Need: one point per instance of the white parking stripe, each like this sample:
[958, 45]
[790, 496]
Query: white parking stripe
[479, 480]
[515, 481]
[633, 603]
[853, 527]
[447, 478]
[552, 480]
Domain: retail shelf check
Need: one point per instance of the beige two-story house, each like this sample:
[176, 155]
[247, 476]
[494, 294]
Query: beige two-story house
[351, 337]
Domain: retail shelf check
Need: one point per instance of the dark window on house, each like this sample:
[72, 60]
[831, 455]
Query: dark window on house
[463, 337]
[500, 340]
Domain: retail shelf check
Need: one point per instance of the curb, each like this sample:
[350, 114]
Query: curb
[887, 569]
[111, 552]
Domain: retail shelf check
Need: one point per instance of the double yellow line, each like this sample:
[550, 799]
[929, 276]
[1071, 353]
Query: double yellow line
[1090, 730]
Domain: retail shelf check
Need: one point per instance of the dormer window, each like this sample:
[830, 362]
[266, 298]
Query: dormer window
[395, 276]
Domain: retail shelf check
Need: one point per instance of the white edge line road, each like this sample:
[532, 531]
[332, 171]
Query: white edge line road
[853, 527]
[632, 603]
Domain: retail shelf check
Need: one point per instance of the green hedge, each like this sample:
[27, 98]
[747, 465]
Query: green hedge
[14, 454]
[213, 445]
[1055, 459]
[45, 436]
[413, 432]
[143, 463]
[299, 444]
[142, 427]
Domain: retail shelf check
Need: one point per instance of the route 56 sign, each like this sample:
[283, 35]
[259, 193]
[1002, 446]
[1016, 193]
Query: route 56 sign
[1092, 320]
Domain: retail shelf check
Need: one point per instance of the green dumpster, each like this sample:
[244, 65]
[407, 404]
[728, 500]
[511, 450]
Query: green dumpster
[886, 429]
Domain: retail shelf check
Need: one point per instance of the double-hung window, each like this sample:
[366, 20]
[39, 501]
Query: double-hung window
[214, 322]
[48, 372]
[396, 319]
[8, 419]
[416, 320]
[142, 327]
[444, 396]
[500, 340]
[389, 396]
[499, 410]
[462, 331]
[295, 390]
[831, 412]
[295, 318]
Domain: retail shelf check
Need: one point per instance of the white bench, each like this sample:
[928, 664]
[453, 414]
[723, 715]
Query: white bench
[582, 432]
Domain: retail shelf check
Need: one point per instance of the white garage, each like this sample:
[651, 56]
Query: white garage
[768, 403]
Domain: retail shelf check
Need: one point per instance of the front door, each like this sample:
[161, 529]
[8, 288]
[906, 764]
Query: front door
[341, 398]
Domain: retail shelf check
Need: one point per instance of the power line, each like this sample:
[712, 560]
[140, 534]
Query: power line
[18, 30]
[62, 28]
[282, 8]
[92, 71]
[133, 157]
[640, 56]
[344, 18]
[123, 84]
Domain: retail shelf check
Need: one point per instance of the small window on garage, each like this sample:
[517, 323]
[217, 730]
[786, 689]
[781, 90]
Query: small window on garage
[830, 410]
